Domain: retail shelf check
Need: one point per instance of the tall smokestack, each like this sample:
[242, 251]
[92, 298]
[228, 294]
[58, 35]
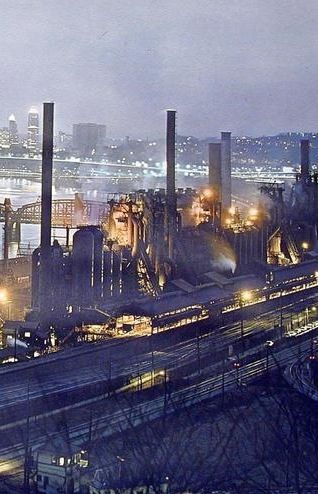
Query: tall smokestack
[226, 170]
[171, 206]
[304, 158]
[46, 204]
[215, 170]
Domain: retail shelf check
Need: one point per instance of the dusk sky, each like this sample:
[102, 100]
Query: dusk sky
[249, 66]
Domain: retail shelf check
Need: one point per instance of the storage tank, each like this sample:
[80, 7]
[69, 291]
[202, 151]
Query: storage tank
[83, 268]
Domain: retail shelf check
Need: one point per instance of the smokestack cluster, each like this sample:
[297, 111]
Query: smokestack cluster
[304, 158]
[46, 203]
[171, 203]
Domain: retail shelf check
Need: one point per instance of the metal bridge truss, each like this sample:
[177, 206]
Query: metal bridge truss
[65, 213]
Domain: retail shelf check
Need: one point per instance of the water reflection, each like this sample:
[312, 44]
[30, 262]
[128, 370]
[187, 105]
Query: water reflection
[22, 191]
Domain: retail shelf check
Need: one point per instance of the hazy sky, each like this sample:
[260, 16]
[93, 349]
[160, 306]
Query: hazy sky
[250, 66]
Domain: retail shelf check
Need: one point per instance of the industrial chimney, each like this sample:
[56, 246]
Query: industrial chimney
[304, 158]
[226, 170]
[215, 182]
[215, 170]
[46, 205]
[171, 202]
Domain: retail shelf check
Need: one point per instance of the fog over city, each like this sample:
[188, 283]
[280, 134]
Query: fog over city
[223, 65]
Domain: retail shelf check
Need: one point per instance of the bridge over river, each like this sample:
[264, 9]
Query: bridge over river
[66, 213]
[70, 213]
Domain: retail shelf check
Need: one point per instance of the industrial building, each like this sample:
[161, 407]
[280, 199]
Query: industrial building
[180, 248]
[292, 219]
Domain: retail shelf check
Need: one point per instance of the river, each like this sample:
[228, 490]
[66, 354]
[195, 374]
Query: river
[22, 191]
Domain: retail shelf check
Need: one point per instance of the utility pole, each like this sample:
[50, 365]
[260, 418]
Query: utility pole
[26, 479]
[311, 348]
[15, 344]
[223, 382]
[237, 368]
[198, 350]
[152, 359]
[90, 433]
[281, 312]
[165, 390]
[109, 375]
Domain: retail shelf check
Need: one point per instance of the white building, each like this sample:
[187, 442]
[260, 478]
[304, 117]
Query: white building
[58, 467]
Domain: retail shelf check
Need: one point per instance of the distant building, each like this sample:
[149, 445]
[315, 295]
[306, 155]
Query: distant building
[88, 138]
[63, 141]
[4, 140]
[33, 143]
[13, 132]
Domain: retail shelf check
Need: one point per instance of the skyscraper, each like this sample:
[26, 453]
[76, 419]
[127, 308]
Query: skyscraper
[33, 132]
[13, 132]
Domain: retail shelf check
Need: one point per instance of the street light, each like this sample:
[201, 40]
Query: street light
[237, 368]
[268, 345]
[164, 374]
[120, 462]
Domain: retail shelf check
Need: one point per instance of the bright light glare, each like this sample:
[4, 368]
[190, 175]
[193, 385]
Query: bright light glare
[207, 193]
[305, 245]
[3, 295]
[246, 296]
[232, 210]
[253, 212]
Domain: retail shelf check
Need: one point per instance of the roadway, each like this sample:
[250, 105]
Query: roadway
[127, 357]
[73, 370]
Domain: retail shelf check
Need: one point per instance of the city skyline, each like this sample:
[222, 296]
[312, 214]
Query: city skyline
[23, 128]
[223, 67]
